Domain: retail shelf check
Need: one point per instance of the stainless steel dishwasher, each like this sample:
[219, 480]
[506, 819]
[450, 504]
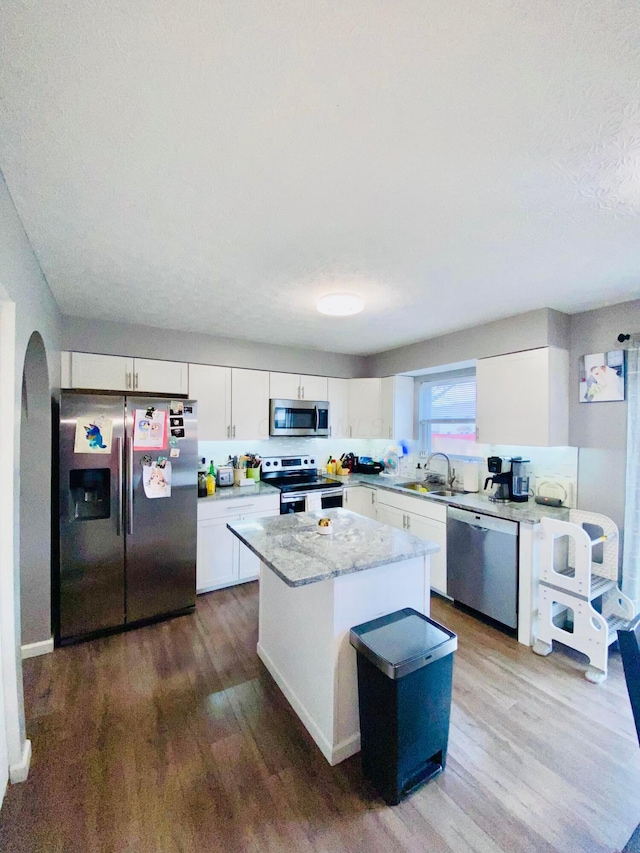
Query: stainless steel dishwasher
[482, 564]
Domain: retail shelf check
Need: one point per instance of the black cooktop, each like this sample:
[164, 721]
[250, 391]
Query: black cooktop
[300, 483]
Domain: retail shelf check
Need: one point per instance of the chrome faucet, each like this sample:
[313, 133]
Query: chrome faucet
[451, 472]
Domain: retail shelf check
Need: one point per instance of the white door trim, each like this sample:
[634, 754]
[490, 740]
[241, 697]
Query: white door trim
[33, 650]
[18, 749]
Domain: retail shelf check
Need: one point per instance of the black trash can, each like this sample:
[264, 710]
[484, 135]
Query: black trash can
[405, 670]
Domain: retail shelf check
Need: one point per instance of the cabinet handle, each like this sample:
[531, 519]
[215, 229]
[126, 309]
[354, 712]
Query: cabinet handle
[228, 430]
[373, 497]
[234, 430]
[478, 434]
[302, 392]
[128, 383]
[408, 522]
[330, 428]
[135, 382]
[299, 395]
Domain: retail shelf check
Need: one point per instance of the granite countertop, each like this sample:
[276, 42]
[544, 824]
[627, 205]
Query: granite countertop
[291, 546]
[230, 493]
[527, 513]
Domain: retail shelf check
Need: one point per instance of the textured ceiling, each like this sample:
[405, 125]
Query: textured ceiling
[215, 166]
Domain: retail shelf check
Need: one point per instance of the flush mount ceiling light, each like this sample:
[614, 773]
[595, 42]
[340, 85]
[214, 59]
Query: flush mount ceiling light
[340, 304]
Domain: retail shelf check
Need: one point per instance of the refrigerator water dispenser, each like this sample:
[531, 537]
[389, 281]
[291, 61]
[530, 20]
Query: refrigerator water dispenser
[90, 493]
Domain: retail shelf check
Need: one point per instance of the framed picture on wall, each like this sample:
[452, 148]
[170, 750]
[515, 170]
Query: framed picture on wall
[602, 376]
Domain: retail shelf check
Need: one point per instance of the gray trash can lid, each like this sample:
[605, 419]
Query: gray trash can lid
[402, 642]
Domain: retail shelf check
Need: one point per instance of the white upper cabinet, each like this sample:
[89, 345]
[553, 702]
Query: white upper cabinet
[294, 386]
[249, 404]
[523, 398]
[365, 420]
[314, 388]
[284, 386]
[97, 372]
[119, 373]
[338, 397]
[397, 395]
[211, 387]
[160, 377]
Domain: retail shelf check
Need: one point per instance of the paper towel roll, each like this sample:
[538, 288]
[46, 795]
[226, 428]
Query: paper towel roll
[470, 473]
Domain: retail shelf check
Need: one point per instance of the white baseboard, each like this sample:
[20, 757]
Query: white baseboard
[333, 754]
[18, 772]
[32, 650]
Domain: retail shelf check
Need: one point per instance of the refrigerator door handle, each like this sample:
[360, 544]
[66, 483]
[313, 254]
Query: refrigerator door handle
[119, 516]
[130, 481]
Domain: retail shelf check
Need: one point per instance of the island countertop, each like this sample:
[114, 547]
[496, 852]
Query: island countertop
[291, 546]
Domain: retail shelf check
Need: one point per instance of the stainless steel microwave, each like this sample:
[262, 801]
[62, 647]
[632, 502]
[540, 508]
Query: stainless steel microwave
[299, 417]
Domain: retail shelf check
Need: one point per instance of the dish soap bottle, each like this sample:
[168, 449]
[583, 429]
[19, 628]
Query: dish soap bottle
[211, 479]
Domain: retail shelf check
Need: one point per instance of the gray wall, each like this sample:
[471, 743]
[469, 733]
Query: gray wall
[540, 328]
[600, 429]
[35, 310]
[107, 338]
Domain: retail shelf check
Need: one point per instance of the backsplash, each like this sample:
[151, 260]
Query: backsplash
[319, 448]
[554, 463]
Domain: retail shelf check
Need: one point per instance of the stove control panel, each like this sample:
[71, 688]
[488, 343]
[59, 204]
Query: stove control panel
[288, 463]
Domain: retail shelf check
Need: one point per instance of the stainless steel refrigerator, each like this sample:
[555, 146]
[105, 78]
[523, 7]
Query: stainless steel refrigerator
[128, 495]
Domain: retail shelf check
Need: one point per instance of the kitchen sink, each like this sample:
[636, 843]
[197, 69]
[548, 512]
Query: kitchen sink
[437, 492]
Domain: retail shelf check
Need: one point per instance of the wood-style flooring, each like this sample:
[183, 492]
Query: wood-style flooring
[175, 738]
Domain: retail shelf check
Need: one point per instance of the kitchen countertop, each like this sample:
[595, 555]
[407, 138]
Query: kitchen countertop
[230, 493]
[527, 513]
[291, 546]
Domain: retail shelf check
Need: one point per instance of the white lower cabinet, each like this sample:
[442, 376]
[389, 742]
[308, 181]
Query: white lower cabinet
[222, 560]
[360, 499]
[425, 519]
[391, 515]
[436, 531]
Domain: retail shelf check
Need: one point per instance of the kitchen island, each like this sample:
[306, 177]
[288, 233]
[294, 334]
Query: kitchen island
[313, 589]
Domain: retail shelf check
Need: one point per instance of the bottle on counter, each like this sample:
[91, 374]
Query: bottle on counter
[202, 479]
[211, 479]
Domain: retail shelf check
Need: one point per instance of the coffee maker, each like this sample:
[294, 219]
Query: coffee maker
[500, 470]
[519, 480]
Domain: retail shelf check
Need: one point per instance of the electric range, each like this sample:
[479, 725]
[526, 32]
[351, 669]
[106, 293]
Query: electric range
[301, 487]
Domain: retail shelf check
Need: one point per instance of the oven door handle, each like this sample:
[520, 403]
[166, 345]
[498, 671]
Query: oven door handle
[293, 497]
[331, 493]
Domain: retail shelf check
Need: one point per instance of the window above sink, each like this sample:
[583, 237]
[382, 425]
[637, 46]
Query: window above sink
[447, 413]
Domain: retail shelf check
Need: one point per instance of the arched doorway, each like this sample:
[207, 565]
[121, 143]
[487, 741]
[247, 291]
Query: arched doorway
[35, 499]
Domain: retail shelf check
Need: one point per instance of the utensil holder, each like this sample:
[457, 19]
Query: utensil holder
[253, 473]
[238, 475]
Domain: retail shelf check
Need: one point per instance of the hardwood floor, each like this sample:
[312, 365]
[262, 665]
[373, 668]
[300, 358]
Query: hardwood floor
[174, 738]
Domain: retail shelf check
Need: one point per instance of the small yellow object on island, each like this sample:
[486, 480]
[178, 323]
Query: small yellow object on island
[324, 526]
